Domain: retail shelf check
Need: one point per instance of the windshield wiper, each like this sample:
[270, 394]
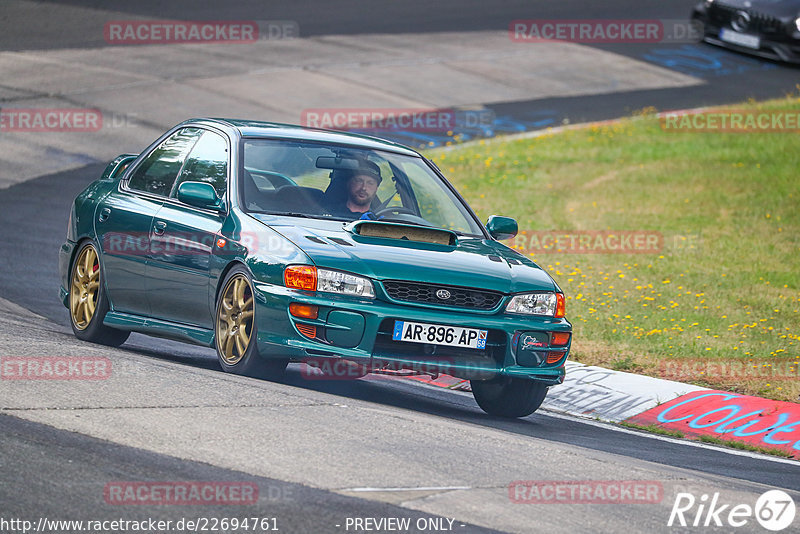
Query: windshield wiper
[288, 214]
[428, 225]
[304, 215]
[390, 219]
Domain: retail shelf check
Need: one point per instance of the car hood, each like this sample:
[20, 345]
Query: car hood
[472, 262]
[777, 8]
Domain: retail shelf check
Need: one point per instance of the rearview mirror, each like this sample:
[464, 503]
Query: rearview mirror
[199, 194]
[337, 163]
[501, 227]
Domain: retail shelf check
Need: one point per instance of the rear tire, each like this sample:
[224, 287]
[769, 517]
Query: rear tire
[506, 396]
[88, 303]
[236, 331]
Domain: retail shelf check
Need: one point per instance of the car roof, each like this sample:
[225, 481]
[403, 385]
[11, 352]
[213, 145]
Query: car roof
[275, 130]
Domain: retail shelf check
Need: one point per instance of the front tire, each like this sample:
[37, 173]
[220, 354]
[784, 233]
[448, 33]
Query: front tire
[236, 331]
[88, 302]
[506, 396]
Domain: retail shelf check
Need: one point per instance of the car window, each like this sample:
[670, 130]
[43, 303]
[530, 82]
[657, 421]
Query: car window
[159, 170]
[315, 180]
[207, 162]
[279, 164]
[429, 194]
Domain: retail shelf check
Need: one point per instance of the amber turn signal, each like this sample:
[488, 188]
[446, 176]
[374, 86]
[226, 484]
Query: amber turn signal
[305, 311]
[561, 306]
[301, 277]
[559, 339]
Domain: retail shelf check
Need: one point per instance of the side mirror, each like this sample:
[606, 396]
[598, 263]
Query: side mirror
[501, 227]
[199, 194]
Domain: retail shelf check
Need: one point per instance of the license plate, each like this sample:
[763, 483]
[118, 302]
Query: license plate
[741, 39]
[435, 334]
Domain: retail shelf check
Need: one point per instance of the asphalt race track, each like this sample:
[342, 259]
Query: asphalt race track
[321, 452]
[727, 77]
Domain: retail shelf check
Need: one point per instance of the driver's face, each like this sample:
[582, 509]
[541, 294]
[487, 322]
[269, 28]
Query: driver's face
[362, 189]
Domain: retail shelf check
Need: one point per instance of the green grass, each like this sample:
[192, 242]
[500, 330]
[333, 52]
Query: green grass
[655, 429]
[725, 286]
[626, 363]
[744, 446]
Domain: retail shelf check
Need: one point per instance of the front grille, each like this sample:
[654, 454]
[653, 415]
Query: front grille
[460, 297]
[759, 22]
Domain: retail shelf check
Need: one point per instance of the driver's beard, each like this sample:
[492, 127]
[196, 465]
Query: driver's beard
[365, 205]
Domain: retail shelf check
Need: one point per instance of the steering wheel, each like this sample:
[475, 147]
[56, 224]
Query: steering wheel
[396, 210]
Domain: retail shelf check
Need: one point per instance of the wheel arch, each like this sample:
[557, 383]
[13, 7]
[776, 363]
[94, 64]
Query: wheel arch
[75, 250]
[224, 274]
[78, 246]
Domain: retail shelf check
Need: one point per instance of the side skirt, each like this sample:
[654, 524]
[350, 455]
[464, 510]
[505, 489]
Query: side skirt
[159, 328]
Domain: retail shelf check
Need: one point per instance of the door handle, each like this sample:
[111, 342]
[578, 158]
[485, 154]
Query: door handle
[159, 227]
[105, 213]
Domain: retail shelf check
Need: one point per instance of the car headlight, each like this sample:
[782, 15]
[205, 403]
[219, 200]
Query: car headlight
[309, 278]
[551, 304]
[343, 283]
[797, 23]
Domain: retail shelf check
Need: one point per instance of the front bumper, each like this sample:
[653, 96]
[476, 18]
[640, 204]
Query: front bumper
[360, 331]
[776, 46]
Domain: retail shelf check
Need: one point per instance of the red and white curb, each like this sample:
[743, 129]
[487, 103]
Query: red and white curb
[615, 396]
[611, 396]
[728, 416]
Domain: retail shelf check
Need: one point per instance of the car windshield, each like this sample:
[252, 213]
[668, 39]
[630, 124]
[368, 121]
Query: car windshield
[321, 181]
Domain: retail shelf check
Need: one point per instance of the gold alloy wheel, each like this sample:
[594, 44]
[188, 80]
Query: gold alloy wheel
[85, 288]
[235, 319]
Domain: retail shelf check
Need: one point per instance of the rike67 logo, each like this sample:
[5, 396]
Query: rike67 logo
[774, 511]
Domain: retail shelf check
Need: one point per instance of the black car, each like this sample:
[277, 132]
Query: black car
[766, 28]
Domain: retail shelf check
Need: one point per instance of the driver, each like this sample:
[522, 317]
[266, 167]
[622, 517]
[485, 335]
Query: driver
[362, 186]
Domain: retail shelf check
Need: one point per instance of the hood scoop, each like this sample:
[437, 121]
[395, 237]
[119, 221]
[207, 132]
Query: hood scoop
[405, 232]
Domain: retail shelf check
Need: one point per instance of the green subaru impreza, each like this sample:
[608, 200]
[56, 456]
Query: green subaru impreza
[278, 244]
